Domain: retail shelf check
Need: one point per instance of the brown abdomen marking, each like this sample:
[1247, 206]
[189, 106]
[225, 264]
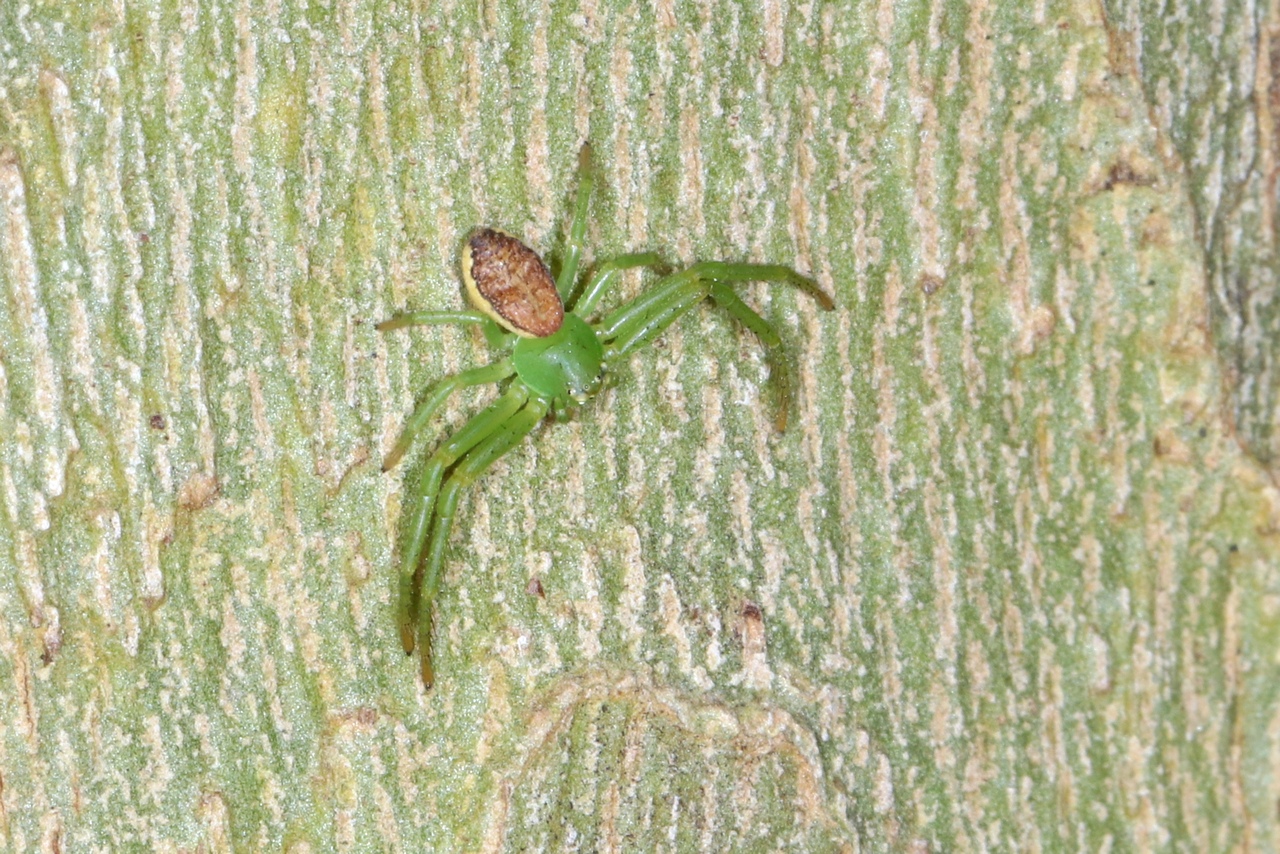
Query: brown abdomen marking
[508, 281]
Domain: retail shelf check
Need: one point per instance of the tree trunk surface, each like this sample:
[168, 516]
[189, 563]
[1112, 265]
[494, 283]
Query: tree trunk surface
[1009, 581]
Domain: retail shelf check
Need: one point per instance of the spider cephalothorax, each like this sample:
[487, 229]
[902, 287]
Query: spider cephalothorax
[557, 362]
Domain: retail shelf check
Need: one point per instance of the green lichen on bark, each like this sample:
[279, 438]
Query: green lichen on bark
[1009, 581]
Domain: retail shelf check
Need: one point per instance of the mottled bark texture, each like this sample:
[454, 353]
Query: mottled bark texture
[1009, 581]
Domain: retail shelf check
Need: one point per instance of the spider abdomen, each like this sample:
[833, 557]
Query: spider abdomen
[509, 282]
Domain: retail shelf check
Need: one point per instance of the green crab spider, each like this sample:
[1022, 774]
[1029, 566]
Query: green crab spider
[555, 360]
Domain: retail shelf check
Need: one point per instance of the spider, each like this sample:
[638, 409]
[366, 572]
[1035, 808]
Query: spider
[554, 360]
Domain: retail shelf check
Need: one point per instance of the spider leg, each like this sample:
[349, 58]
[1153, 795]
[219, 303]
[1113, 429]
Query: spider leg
[639, 322]
[573, 250]
[499, 370]
[723, 271]
[475, 431]
[431, 318]
[478, 459]
[492, 332]
[605, 276]
[779, 369]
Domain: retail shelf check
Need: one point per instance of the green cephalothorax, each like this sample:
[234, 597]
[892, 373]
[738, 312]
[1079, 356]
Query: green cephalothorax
[557, 363]
[566, 364]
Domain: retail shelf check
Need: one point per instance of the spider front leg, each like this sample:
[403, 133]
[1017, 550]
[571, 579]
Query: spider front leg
[485, 453]
[606, 274]
[779, 370]
[493, 373]
[475, 431]
[642, 320]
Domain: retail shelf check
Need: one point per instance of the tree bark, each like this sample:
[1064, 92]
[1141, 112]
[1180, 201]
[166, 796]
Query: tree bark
[1009, 581]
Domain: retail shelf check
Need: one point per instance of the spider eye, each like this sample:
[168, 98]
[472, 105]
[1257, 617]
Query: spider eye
[509, 282]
